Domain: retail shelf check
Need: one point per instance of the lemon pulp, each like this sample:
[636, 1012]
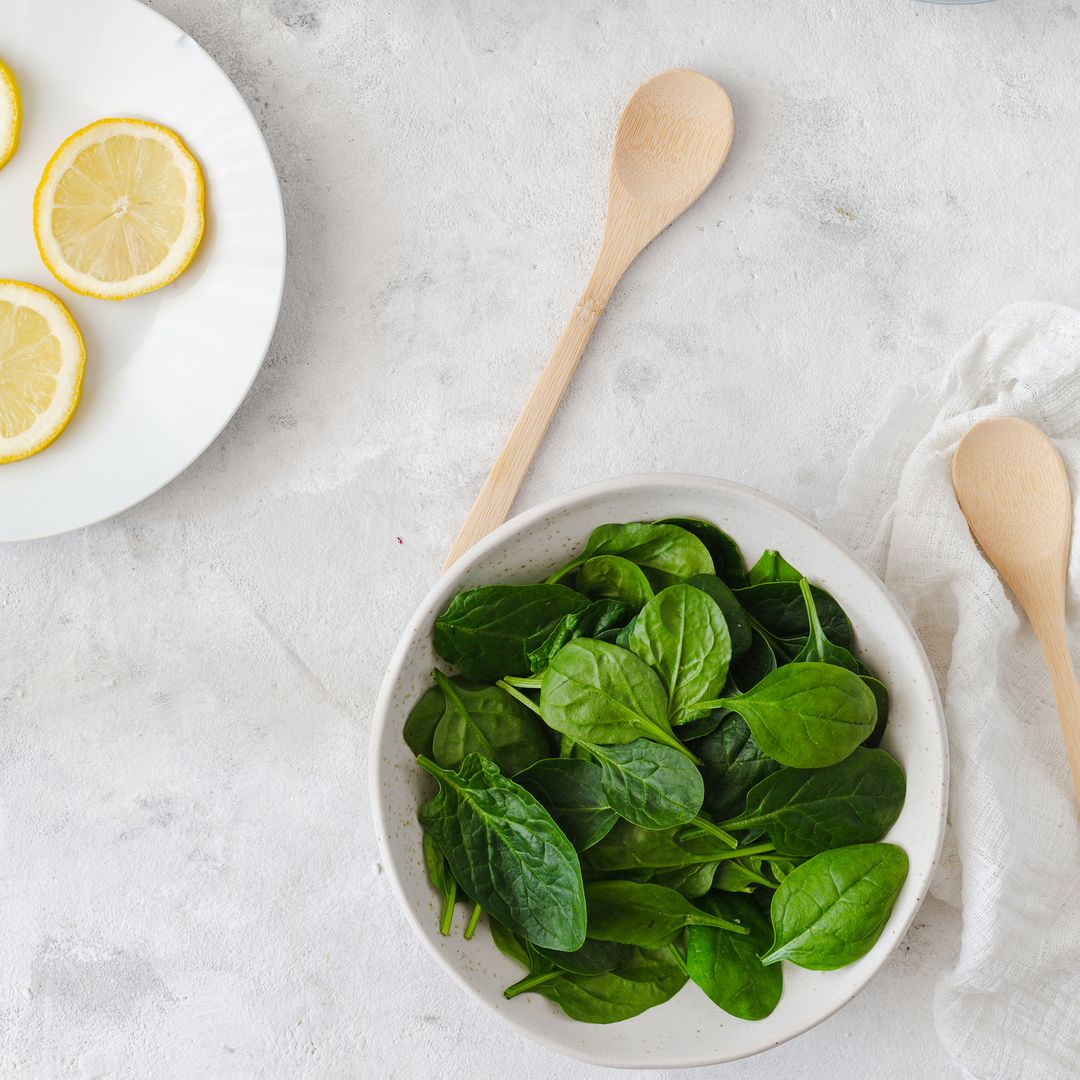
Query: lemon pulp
[119, 210]
[41, 366]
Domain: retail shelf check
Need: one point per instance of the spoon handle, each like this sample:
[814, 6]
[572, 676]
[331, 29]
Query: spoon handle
[1050, 631]
[507, 474]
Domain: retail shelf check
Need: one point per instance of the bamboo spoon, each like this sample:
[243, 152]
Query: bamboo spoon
[673, 136]
[1012, 487]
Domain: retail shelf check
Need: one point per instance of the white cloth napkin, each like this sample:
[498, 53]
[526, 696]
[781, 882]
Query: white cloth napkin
[1010, 1007]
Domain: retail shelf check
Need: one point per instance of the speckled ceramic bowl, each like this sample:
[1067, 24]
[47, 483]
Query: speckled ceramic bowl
[688, 1030]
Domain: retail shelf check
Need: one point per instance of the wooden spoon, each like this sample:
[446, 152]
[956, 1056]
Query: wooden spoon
[673, 136]
[1012, 487]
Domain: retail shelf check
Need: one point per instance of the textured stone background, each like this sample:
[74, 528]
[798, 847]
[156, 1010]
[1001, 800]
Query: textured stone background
[189, 884]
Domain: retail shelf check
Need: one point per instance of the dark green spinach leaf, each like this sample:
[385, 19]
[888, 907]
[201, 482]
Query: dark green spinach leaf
[631, 851]
[818, 647]
[726, 966]
[805, 811]
[741, 876]
[731, 763]
[693, 882]
[703, 725]
[599, 618]
[779, 607]
[646, 978]
[638, 913]
[488, 632]
[510, 944]
[442, 881]
[420, 725]
[881, 696]
[570, 790]
[506, 852]
[754, 664]
[593, 958]
[487, 721]
[649, 784]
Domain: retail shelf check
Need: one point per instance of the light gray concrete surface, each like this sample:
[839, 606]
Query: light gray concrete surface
[189, 883]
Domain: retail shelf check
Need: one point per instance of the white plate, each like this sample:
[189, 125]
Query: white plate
[688, 1030]
[165, 371]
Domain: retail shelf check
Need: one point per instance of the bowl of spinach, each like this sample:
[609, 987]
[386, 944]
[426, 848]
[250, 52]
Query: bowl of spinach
[659, 754]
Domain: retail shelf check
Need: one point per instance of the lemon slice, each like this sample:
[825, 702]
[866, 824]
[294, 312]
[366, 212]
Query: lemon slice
[41, 368]
[119, 210]
[9, 115]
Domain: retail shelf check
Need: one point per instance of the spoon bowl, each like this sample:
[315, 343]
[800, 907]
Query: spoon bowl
[672, 139]
[1012, 486]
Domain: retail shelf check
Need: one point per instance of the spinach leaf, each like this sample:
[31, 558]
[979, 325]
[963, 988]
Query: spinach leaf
[831, 910]
[632, 851]
[599, 618]
[442, 881]
[681, 635]
[726, 966]
[754, 664]
[541, 968]
[693, 882]
[646, 978]
[779, 607]
[598, 693]
[648, 784]
[666, 549]
[614, 578]
[732, 763]
[570, 790]
[765, 869]
[772, 566]
[593, 958]
[487, 633]
[754, 868]
[507, 853]
[509, 943]
[703, 725]
[622, 638]
[420, 725]
[487, 721]
[805, 811]
[741, 876]
[784, 649]
[807, 715]
[818, 647]
[881, 696]
[778, 866]
[738, 622]
[726, 556]
[650, 916]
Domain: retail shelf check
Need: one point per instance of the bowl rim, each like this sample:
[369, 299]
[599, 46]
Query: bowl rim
[521, 522]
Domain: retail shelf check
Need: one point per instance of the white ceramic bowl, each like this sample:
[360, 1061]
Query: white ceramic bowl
[688, 1030]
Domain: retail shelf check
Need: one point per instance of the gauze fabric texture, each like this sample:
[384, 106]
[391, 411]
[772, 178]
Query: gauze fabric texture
[1007, 1007]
